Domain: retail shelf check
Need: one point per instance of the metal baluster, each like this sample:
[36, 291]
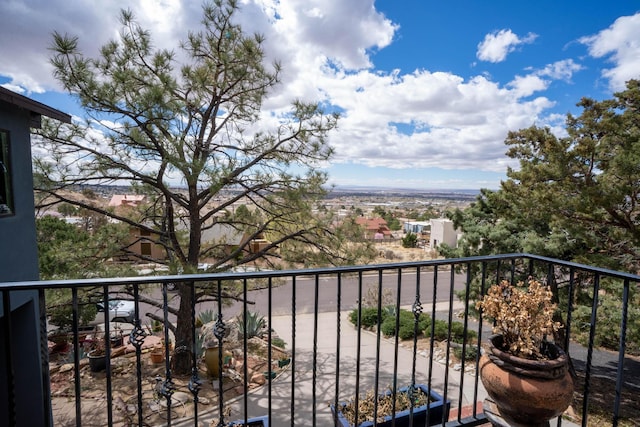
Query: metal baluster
[339, 323]
[293, 350]
[76, 359]
[195, 383]
[136, 338]
[107, 346]
[166, 388]
[416, 309]
[621, 351]
[219, 332]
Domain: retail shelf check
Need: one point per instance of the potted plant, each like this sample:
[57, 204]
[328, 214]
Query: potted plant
[97, 353]
[426, 404]
[524, 373]
[117, 338]
[157, 355]
[211, 346]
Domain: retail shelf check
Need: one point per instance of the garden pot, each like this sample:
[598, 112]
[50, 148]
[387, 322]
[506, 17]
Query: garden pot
[116, 341]
[97, 362]
[283, 362]
[212, 360]
[157, 356]
[438, 411]
[527, 392]
[252, 422]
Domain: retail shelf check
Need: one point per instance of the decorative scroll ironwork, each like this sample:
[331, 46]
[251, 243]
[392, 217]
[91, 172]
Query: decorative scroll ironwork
[137, 335]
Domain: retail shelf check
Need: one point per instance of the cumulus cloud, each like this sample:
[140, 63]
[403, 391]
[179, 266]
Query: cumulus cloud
[621, 43]
[497, 45]
[456, 124]
[397, 119]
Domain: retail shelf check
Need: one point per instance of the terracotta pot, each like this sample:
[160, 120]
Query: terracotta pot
[212, 360]
[157, 356]
[528, 392]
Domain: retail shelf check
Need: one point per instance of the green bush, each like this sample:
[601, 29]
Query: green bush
[369, 317]
[410, 240]
[406, 324]
[607, 333]
[441, 331]
[278, 342]
[457, 332]
[470, 352]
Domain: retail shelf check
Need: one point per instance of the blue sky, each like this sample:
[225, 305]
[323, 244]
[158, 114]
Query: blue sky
[428, 90]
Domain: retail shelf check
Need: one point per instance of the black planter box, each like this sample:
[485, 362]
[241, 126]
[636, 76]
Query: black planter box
[252, 422]
[438, 411]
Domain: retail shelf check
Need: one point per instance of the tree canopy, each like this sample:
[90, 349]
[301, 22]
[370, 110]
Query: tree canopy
[187, 130]
[573, 197]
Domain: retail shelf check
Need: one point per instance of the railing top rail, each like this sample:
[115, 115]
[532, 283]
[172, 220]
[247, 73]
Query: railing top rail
[209, 277]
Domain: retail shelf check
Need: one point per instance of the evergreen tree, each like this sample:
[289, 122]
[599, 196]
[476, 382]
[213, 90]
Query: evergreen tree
[152, 121]
[574, 197]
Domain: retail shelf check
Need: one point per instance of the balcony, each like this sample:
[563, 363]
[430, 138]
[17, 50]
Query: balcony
[312, 354]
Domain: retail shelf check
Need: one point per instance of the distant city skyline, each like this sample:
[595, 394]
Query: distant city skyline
[427, 91]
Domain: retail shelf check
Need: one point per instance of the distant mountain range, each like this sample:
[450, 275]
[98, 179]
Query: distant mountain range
[462, 194]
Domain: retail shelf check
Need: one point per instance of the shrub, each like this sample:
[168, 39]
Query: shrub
[406, 324]
[470, 352]
[410, 240]
[369, 317]
[457, 332]
[441, 331]
[278, 342]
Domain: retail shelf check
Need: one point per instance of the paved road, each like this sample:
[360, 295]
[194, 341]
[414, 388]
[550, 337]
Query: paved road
[327, 295]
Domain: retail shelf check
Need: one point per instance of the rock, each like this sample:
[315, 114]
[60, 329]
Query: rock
[258, 379]
[66, 367]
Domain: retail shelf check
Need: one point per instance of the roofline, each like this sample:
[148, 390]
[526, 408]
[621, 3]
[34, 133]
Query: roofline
[32, 105]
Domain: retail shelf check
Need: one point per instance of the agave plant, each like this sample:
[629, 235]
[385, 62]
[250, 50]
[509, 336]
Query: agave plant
[253, 325]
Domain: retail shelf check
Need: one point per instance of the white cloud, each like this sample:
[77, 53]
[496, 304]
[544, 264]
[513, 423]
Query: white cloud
[497, 45]
[561, 70]
[621, 42]
[325, 48]
[456, 124]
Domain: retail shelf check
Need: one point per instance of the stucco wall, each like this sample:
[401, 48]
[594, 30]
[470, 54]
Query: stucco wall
[19, 262]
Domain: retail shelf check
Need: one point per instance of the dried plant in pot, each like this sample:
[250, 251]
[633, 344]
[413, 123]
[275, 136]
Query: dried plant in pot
[416, 404]
[97, 354]
[524, 373]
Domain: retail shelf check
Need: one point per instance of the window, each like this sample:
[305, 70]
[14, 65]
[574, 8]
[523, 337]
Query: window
[145, 233]
[6, 188]
[145, 249]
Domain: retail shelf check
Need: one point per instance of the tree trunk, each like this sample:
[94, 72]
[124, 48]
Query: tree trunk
[181, 361]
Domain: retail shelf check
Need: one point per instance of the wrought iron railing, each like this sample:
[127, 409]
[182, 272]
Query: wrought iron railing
[312, 355]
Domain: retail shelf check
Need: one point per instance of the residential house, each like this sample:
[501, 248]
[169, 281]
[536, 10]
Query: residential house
[23, 391]
[374, 228]
[126, 200]
[417, 227]
[442, 231]
[144, 245]
[227, 239]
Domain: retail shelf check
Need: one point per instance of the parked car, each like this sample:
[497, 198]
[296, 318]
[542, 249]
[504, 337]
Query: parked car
[119, 310]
